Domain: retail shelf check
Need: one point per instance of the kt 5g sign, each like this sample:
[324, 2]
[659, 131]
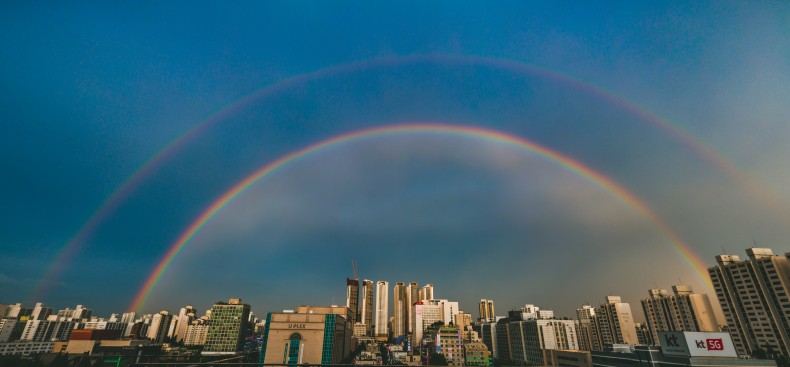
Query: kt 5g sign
[697, 344]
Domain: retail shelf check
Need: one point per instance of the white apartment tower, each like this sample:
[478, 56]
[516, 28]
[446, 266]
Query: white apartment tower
[182, 322]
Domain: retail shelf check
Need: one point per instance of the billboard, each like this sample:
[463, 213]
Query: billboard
[696, 344]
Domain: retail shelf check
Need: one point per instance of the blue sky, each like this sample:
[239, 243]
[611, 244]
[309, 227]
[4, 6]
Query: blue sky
[91, 91]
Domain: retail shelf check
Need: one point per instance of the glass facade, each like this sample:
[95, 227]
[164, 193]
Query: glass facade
[265, 337]
[329, 334]
[292, 351]
[227, 328]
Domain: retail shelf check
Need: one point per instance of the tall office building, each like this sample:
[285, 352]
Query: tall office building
[426, 293]
[683, 310]
[755, 297]
[352, 298]
[412, 296]
[399, 323]
[228, 328]
[366, 306]
[382, 314]
[487, 309]
[614, 323]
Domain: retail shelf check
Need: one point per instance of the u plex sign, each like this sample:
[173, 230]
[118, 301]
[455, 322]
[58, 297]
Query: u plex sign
[696, 344]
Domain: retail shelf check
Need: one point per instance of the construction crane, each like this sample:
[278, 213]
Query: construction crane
[355, 269]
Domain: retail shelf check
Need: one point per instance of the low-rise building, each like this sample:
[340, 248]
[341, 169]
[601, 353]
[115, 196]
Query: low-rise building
[25, 348]
[477, 354]
[567, 358]
[311, 335]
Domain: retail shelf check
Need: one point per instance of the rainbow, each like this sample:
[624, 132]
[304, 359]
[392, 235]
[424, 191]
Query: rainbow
[595, 177]
[152, 165]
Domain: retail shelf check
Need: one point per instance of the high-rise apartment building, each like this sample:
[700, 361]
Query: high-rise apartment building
[683, 310]
[426, 293]
[229, 327]
[585, 324]
[352, 298]
[382, 314]
[16, 311]
[755, 297]
[487, 309]
[40, 312]
[399, 306]
[366, 306]
[7, 327]
[197, 332]
[160, 325]
[412, 296]
[178, 328]
[129, 317]
[614, 323]
[77, 314]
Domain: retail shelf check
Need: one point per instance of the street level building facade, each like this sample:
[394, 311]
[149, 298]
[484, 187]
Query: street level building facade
[311, 335]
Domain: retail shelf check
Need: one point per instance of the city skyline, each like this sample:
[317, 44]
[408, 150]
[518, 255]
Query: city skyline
[155, 156]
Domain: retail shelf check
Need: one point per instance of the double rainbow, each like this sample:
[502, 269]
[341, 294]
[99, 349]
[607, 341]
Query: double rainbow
[589, 174]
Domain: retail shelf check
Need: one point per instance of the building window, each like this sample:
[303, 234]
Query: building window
[292, 352]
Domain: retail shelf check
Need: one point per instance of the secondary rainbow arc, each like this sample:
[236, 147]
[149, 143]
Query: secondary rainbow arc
[593, 176]
[152, 165]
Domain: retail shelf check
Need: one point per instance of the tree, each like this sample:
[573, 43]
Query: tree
[437, 359]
